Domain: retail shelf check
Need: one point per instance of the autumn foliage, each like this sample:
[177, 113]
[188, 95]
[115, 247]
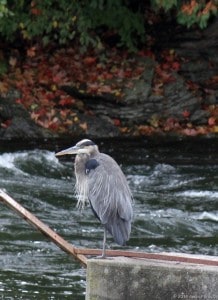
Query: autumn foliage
[91, 22]
[97, 60]
[42, 78]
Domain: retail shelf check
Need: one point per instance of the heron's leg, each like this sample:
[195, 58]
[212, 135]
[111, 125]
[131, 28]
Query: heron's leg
[104, 243]
[104, 246]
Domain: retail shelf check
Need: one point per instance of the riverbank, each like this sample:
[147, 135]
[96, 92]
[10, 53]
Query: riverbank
[169, 88]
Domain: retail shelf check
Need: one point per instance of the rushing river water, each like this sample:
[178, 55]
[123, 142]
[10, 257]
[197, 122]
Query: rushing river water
[175, 187]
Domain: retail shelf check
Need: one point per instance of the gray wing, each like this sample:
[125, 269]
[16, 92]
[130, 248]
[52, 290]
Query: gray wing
[111, 197]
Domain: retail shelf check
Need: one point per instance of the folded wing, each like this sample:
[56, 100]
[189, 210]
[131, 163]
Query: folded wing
[110, 198]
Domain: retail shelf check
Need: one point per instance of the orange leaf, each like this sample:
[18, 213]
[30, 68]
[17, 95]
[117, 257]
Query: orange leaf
[31, 52]
[83, 126]
[214, 78]
[105, 89]
[215, 129]
[202, 130]
[158, 88]
[12, 61]
[3, 88]
[145, 129]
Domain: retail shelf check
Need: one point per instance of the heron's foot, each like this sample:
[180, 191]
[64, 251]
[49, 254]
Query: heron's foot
[103, 256]
[100, 257]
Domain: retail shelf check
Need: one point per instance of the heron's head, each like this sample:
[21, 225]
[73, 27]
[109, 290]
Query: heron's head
[83, 147]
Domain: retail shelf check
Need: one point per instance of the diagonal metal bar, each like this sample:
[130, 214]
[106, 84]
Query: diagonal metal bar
[47, 231]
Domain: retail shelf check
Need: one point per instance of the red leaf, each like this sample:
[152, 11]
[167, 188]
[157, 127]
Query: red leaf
[176, 66]
[147, 53]
[128, 73]
[6, 123]
[192, 85]
[190, 131]
[19, 101]
[166, 77]
[212, 121]
[59, 77]
[42, 112]
[186, 114]
[117, 122]
[165, 66]
[93, 87]
[53, 125]
[36, 11]
[66, 101]
[89, 60]
[107, 75]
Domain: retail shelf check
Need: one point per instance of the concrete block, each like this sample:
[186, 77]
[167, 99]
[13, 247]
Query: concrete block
[124, 278]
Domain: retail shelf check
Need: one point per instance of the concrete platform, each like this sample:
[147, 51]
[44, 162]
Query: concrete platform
[124, 278]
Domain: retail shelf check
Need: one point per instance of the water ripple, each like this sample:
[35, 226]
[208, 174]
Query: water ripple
[175, 209]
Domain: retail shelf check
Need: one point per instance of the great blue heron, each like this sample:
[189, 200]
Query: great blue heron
[101, 182]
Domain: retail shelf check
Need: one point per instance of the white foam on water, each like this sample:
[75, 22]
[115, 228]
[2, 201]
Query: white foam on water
[198, 194]
[208, 216]
[7, 161]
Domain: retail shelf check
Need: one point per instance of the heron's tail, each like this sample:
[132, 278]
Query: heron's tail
[120, 230]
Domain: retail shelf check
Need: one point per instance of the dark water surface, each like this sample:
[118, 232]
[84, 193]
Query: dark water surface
[175, 186]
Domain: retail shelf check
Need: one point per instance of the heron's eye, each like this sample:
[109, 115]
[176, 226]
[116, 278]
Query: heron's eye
[91, 164]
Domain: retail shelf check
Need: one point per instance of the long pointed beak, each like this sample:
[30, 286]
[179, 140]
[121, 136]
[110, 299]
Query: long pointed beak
[71, 150]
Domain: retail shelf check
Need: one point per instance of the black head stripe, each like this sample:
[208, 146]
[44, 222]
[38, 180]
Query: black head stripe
[91, 164]
[86, 143]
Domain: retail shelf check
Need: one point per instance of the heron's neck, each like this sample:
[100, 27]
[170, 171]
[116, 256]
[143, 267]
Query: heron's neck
[82, 157]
